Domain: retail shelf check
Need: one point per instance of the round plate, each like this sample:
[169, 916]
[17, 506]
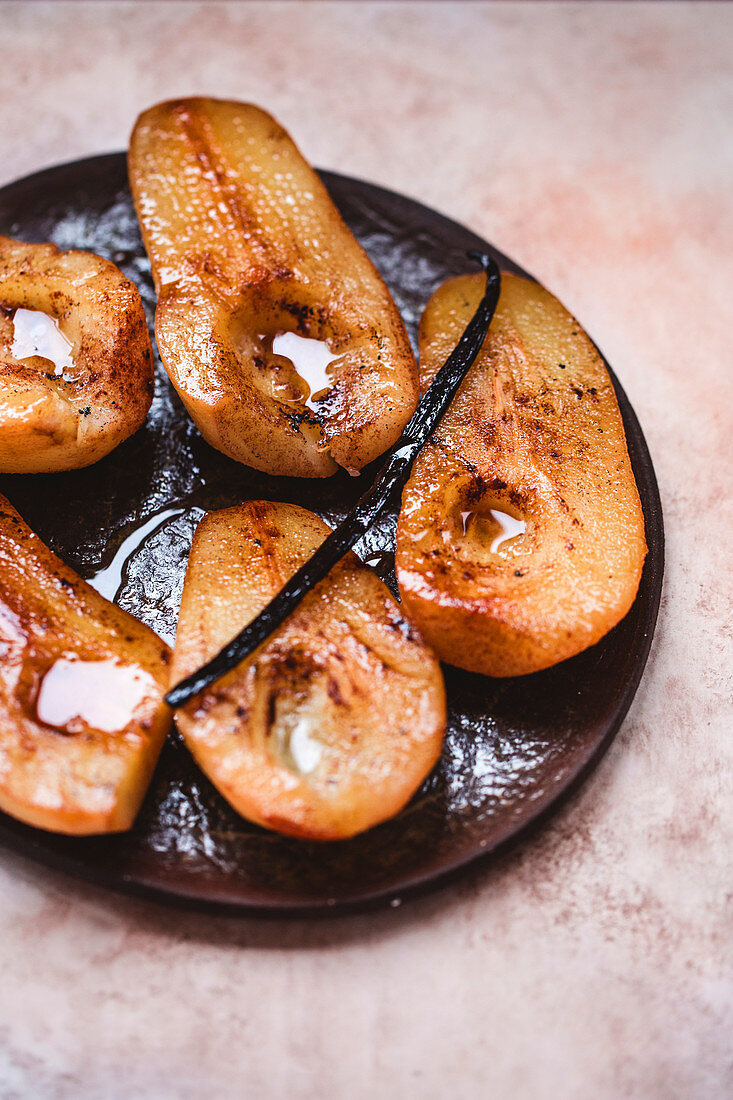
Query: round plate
[513, 748]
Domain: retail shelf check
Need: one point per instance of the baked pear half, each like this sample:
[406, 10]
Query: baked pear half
[334, 721]
[274, 326]
[76, 367]
[82, 717]
[521, 536]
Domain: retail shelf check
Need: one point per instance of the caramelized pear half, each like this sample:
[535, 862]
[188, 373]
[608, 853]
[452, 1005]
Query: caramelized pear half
[521, 536]
[246, 247]
[333, 723]
[82, 717]
[68, 411]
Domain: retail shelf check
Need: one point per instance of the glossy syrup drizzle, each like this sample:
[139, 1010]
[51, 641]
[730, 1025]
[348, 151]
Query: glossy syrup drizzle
[35, 333]
[101, 695]
[305, 750]
[510, 527]
[311, 360]
[293, 728]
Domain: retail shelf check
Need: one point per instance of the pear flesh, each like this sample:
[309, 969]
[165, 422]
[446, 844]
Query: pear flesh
[521, 536]
[76, 366]
[334, 721]
[82, 716]
[246, 246]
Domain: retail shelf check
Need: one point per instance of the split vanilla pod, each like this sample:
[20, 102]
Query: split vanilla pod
[372, 504]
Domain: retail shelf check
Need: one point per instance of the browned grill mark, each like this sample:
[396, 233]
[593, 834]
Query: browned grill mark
[266, 537]
[334, 692]
[227, 200]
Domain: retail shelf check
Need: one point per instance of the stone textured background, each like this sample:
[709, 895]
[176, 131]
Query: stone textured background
[594, 144]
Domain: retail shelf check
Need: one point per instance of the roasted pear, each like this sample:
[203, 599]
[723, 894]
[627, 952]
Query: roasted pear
[276, 329]
[521, 536]
[76, 368]
[82, 717]
[332, 724]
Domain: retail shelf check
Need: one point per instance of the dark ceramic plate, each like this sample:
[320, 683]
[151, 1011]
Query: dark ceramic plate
[513, 748]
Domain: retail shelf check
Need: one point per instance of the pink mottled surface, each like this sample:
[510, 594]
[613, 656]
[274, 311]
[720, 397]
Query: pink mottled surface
[593, 143]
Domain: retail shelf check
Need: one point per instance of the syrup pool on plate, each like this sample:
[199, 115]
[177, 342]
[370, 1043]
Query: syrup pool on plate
[107, 581]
